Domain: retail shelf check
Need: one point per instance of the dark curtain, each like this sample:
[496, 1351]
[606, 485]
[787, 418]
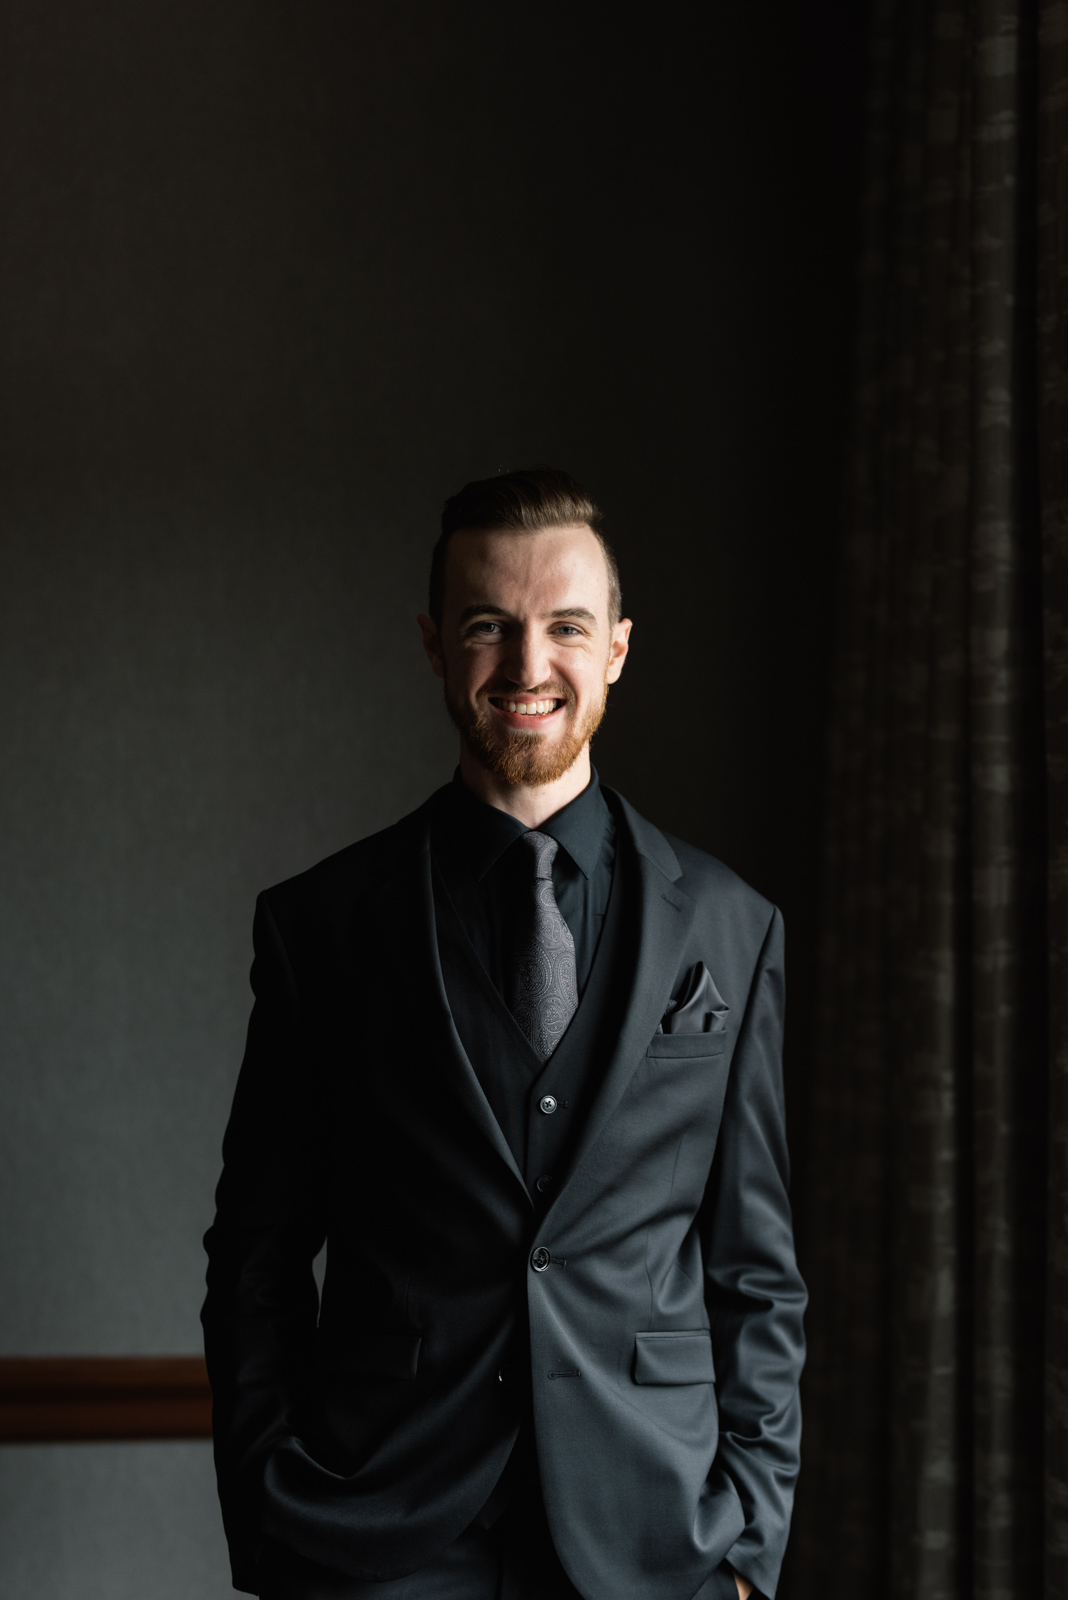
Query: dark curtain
[933, 1194]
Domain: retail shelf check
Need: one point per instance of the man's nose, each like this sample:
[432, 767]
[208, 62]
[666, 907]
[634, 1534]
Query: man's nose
[526, 663]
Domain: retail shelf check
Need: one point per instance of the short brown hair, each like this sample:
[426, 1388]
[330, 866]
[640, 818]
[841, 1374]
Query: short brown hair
[522, 502]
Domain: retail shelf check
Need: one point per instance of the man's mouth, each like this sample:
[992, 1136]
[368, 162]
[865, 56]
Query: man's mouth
[528, 708]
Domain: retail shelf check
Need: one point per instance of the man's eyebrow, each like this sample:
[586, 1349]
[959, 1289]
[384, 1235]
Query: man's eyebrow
[486, 608]
[480, 609]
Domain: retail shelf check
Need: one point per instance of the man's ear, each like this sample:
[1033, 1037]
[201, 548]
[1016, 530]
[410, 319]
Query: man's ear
[617, 650]
[432, 644]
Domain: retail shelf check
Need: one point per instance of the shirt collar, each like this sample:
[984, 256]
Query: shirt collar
[580, 826]
[479, 834]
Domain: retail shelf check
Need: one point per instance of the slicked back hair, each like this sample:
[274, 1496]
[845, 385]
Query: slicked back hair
[521, 502]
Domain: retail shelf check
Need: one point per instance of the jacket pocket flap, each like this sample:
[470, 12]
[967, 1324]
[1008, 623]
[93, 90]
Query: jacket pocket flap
[678, 1046]
[674, 1357]
[374, 1355]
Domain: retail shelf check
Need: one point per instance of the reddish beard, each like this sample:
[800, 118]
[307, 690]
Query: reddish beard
[516, 756]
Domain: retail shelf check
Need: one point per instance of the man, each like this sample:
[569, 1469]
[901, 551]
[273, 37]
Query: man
[517, 1059]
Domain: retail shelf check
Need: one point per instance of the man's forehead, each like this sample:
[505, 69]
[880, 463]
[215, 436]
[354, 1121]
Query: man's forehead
[546, 558]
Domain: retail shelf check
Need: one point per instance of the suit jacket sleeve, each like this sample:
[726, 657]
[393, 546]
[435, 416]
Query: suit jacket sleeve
[755, 1295]
[262, 1304]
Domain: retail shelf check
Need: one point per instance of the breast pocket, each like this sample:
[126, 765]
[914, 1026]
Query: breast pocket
[686, 1046]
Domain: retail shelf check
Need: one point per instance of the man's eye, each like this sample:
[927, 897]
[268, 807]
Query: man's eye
[487, 627]
[567, 628]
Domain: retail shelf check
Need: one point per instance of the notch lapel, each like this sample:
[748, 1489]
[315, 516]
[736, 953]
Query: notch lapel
[412, 945]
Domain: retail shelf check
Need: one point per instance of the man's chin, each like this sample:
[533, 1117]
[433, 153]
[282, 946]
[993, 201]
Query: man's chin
[523, 760]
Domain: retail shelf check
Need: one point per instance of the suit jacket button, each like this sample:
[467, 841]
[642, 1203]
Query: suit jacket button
[547, 1103]
[544, 1182]
[540, 1259]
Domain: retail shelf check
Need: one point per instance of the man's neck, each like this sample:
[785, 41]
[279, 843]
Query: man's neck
[529, 804]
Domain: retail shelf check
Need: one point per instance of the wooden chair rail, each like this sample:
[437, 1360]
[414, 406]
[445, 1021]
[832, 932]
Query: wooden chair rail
[54, 1399]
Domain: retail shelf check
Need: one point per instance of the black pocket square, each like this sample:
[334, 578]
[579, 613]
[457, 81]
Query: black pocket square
[697, 1007]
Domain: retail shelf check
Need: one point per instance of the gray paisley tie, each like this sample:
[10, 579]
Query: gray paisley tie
[544, 989]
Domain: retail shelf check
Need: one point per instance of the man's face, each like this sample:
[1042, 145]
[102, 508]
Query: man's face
[525, 648]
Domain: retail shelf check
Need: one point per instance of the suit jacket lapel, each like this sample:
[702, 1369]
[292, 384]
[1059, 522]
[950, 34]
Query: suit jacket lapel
[412, 948]
[664, 914]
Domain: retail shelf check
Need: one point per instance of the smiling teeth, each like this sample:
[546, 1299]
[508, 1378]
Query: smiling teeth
[532, 708]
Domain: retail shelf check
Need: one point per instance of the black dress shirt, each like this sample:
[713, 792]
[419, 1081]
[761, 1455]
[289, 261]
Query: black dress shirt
[487, 880]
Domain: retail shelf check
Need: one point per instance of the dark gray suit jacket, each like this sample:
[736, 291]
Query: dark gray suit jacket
[665, 1333]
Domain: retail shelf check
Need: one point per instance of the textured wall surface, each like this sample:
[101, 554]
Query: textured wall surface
[274, 280]
[111, 1522]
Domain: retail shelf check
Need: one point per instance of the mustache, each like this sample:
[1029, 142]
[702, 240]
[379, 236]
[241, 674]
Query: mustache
[542, 691]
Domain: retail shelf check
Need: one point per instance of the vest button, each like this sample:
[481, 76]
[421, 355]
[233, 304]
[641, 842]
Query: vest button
[547, 1103]
[544, 1182]
[540, 1259]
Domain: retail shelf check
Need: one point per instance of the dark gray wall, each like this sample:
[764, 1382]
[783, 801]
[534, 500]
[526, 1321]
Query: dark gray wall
[273, 280]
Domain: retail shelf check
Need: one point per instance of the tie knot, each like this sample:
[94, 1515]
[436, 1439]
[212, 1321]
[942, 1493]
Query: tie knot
[544, 850]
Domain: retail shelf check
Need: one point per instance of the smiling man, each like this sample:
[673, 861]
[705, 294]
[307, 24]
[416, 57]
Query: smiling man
[517, 1061]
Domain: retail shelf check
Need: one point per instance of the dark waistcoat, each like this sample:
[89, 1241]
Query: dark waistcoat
[540, 1107]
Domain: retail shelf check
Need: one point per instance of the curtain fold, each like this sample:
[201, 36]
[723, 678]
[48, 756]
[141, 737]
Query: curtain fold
[935, 1236]
[1052, 304]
